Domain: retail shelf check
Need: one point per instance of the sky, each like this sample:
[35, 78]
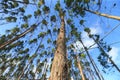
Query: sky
[102, 26]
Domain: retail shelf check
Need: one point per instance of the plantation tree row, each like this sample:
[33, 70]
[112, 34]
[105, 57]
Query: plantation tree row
[40, 43]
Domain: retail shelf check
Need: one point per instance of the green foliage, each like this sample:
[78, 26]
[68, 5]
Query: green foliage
[53, 18]
[81, 22]
[87, 30]
[16, 44]
[44, 22]
[41, 34]
[75, 63]
[57, 6]
[37, 13]
[55, 29]
[69, 3]
[53, 50]
[11, 19]
[69, 21]
[24, 25]
[46, 10]
[11, 5]
[82, 55]
[26, 1]
[87, 64]
[33, 40]
[23, 51]
[2, 78]
[49, 40]
[29, 16]
[48, 31]
[25, 18]
[41, 2]
[15, 30]
[41, 46]
[16, 4]
[86, 1]
[72, 26]
[97, 37]
[2, 39]
[21, 9]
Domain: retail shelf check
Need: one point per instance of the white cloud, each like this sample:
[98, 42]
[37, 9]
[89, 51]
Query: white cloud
[96, 30]
[34, 69]
[88, 41]
[114, 54]
[85, 38]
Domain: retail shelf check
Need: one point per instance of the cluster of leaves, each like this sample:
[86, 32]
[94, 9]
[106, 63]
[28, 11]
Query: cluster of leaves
[11, 19]
[103, 58]
[77, 6]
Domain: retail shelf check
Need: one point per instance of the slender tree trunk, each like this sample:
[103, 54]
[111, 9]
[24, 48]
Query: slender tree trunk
[80, 68]
[104, 15]
[90, 73]
[59, 70]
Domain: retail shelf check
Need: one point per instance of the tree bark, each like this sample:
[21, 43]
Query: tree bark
[59, 70]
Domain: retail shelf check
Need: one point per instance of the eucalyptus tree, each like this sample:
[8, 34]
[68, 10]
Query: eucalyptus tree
[39, 45]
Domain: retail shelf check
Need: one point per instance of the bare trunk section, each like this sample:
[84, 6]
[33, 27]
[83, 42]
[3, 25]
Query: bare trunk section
[104, 15]
[59, 70]
[80, 68]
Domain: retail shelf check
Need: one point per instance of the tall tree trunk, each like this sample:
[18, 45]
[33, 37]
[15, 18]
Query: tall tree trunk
[80, 68]
[59, 70]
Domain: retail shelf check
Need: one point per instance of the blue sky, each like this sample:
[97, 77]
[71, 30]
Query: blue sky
[102, 26]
